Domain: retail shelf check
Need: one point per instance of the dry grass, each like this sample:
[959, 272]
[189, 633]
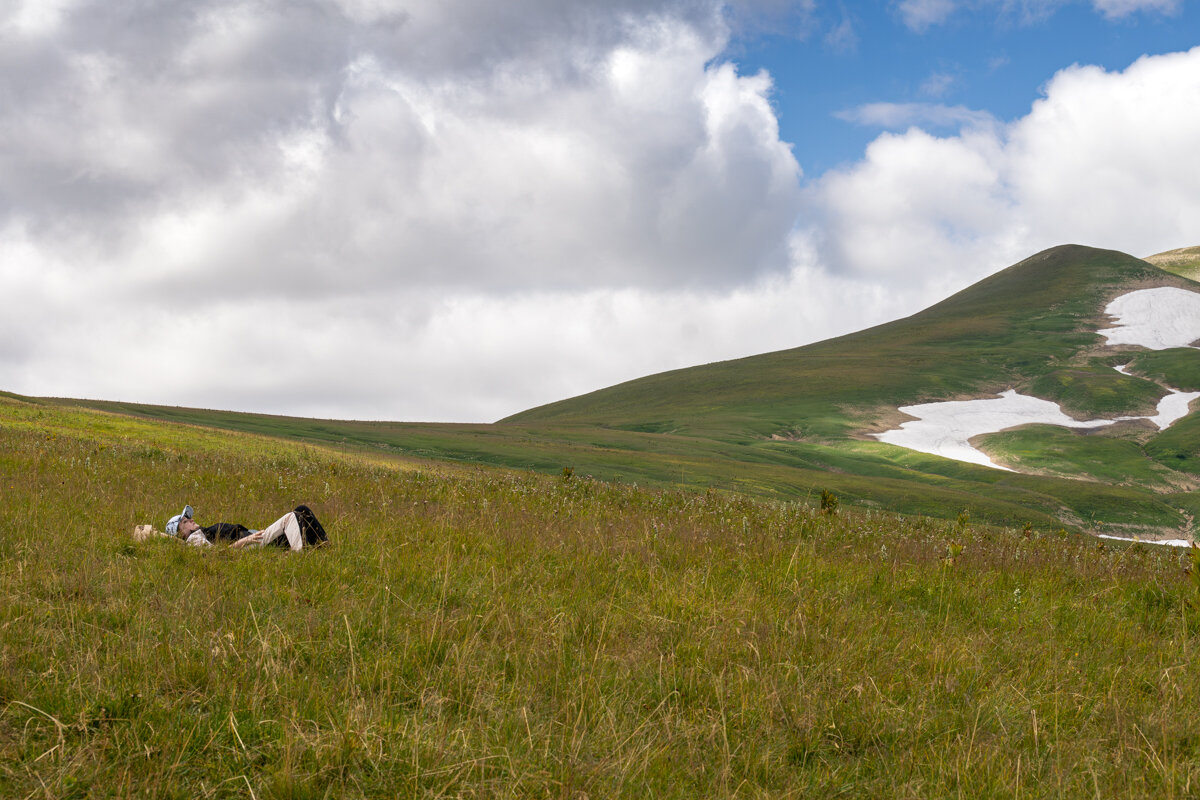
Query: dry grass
[1184, 261]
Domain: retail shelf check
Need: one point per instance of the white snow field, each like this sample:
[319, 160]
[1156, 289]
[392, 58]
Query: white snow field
[1168, 542]
[1155, 318]
[1171, 408]
[943, 429]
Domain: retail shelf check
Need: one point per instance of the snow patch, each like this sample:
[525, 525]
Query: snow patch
[1168, 542]
[1173, 407]
[943, 429]
[1156, 319]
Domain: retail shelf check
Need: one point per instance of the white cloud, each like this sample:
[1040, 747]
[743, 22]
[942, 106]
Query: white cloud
[920, 15]
[938, 84]
[35, 18]
[1104, 159]
[422, 354]
[420, 184]
[842, 38]
[591, 157]
[903, 115]
[1115, 9]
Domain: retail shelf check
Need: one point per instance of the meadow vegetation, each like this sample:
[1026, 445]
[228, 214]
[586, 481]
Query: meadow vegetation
[486, 632]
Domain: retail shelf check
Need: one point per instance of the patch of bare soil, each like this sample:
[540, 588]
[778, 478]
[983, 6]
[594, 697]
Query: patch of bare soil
[789, 436]
[881, 421]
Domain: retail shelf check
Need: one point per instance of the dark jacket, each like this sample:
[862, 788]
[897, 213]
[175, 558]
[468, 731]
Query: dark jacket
[224, 531]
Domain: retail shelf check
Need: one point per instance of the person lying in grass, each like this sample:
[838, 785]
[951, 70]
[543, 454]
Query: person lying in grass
[295, 529]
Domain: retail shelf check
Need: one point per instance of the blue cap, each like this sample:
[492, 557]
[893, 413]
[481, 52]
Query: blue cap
[173, 522]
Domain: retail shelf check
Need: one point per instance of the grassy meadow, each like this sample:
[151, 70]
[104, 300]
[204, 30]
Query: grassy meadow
[484, 632]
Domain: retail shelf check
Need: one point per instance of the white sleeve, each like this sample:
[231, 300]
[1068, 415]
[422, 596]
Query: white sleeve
[197, 540]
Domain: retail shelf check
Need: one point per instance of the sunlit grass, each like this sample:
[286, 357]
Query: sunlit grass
[484, 633]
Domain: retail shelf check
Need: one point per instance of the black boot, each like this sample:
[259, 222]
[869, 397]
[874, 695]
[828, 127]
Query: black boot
[310, 526]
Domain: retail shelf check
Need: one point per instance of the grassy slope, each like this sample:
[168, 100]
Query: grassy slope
[1100, 455]
[1185, 261]
[1030, 326]
[903, 481]
[1009, 329]
[476, 632]
[710, 426]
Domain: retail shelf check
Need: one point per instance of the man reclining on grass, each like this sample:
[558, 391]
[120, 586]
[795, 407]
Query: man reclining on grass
[294, 529]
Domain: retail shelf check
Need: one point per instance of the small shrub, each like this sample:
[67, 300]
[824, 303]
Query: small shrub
[953, 551]
[829, 502]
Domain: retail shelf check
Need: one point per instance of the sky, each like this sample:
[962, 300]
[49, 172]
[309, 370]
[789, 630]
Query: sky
[454, 210]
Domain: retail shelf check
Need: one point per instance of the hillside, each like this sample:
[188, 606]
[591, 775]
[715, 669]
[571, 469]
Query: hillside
[793, 423]
[1019, 325]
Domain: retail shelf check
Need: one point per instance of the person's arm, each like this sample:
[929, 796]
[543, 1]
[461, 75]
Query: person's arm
[248, 540]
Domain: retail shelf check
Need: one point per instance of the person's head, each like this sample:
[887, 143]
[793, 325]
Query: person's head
[187, 526]
[174, 524]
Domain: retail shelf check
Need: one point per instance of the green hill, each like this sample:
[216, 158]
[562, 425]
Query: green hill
[1025, 323]
[793, 423]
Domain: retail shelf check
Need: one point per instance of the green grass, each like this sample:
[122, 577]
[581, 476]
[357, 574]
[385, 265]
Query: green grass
[1066, 452]
[1178, 447]
[1178, 367]
[865, 473]
[1098, 392]
[481, 632]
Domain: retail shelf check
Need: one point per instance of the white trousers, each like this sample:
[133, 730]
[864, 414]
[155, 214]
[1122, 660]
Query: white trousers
[284, 526]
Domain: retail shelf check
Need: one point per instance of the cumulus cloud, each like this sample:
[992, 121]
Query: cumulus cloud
[437, 143]
[306, 179]
[1104, 159]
